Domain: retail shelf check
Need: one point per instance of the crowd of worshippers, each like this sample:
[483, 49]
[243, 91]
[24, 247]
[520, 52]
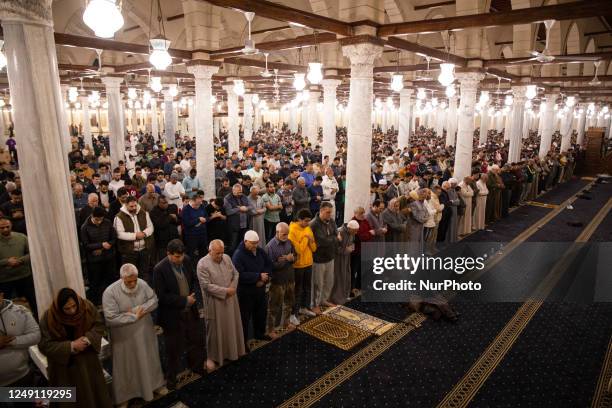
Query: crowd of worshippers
[271, 250]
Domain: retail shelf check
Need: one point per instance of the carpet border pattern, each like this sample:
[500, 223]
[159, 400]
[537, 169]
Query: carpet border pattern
[327, 383]
[603, 392]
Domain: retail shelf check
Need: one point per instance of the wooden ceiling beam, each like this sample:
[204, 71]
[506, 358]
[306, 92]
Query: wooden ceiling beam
[440, 4]
[72, 40]
[404, 45]
[565, 11]
[279, 12]
[247, 62]
[287, 44]
[510, 62]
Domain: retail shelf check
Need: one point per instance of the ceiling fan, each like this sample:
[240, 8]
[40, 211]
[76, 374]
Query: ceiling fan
[426, 76]
[546, 57]
[249, 44]
[595, 81]
[265, 73]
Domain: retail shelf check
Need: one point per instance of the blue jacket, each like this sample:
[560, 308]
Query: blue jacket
[308, 177]
[314, 192]
[250, 266]
[191, 221]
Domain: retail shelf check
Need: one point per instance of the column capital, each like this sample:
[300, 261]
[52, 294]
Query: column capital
[84, 99]
[406, 92]
[330, 84]
[363, 53]
[203, 69]
[314, 95]
[469, 79]
[167, 96]
[518, 93]
[27, 11]
[112, 82]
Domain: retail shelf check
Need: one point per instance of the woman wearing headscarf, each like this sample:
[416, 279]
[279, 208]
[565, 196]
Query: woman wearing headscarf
[71, 337]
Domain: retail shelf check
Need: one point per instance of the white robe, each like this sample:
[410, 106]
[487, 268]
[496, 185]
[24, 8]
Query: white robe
[224, 338]
[136, 366]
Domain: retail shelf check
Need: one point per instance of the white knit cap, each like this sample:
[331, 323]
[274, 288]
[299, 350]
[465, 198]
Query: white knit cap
[452, 180]
[251, 236]
[352, 224]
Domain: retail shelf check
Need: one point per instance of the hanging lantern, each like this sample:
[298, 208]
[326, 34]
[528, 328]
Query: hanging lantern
[132, 93]
[389, 102]
[442, 105]
[298, 81]
[421, 94]
[484, 98]
[239, 87]
[434, 102]
[509, 100]
[173, 90]
[159, 57]
[137, 105]
[213, 99]
[450, 91]
[255, 99]
[531, 92]
[105, 105]
[570, 101]
[447, 75]
[156, 85]
[397, 82]
[305, 95]
[103, 17]
[315, 74]
[73, 93]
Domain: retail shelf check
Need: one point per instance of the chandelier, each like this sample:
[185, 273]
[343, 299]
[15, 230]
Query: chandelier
[255, 99]
[159, 57]
[447, 75]
[156, 85]
[73, 93]
[132, 93]
[103, 17]
[531, 92]
[397, 82]
[450, 91]
[298, 81]
[421, 94]
[239, 87]
[173, 90]
[315, 75]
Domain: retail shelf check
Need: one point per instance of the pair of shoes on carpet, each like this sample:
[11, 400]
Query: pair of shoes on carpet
[307, 312]
[294, 320]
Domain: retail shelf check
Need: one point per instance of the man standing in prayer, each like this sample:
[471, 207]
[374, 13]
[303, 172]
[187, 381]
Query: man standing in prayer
[174, 191]
[175, 286]
[238, 215]
[127, 305]
[326, 239]
[254, 266]
[342, 263]
[282, 290]
[135, 239]
[218, 281]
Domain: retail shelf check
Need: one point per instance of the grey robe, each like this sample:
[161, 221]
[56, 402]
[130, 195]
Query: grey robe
[418, 216]
[377, 224]
[342, 267]
[396, 225]
[258, 220]
[452, 233]
[136, 366]
[224, 338]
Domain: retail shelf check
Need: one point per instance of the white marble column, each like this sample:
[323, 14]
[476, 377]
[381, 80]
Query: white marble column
[257, 118]
[359, 152]
[3, 127]
[169, 119]
[566, 130]
[405, 119]
[33, 78]
[293, 121]
[440, 116]
[154, 120]
[116, 126]
[86, 121]
[233, 135]
[304, 120]
[203, 129]
[247, 119]
[526, 119]
[547, 115]
[451, 121]
[313, 125]
[580, 126]
[517, 116]
[329, 117]
[485, 120]
[465, 123]
[216, 126]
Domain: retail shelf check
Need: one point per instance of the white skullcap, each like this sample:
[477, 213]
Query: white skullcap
[390, 158]
[251, 236]
[452, 180]
[352, 224]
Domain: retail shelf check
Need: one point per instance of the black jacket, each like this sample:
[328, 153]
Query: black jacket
[93, 236]
[171, 303]
[326, 238]
[165, 228]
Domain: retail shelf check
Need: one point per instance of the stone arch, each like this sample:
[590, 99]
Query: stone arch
[572, 46]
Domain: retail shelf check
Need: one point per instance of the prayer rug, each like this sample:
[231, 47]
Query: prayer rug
[361, 320]
[335, 332]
